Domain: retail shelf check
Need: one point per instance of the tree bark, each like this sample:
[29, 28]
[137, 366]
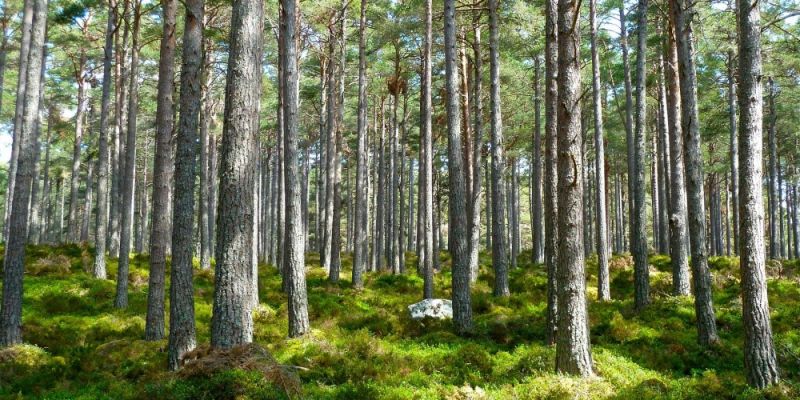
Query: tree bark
[499, 257]
[80, 119]
[426, 177]
[774, 252]
[603, 286]
[101, 223]
[19, 109]
[462, 303]
[550, 166]
[536, 169]
[734, 149]
[678, 235]
[295, 249]
[361, 209]
[232, 321]
[761, 366]
[13, 267]
[573, 354]
[701, 276]
[181, 292]
[636, 170]
[121, 300]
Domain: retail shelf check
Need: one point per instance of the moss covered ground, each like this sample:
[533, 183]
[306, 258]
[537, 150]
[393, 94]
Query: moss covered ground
[364, 345]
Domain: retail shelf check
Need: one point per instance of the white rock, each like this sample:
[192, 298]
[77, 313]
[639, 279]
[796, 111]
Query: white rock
[432, 308]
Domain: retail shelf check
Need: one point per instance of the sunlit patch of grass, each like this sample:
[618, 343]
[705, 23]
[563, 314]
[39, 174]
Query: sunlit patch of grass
[364, 344]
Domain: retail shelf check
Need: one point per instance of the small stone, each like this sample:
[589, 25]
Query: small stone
[432, 308]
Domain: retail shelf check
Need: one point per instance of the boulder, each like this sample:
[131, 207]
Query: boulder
[432, 308]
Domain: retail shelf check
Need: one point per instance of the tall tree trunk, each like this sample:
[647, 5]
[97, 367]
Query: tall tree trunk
[13, 264]
[101, 223]
[80, 119]
[796, 221]
[477, 149]
[603, 286]
[40, 233]
[140, 221]
[361, 208]
[462, 303]
[330, 150]
[550, 166]
[678, 234]
[734, 149]
[181, 290]
[636, 171]
[232, 321]
[773, 174]
[573, 354]
[426, 177]
[761, 366]
[295, 242]
[121, 300]
[380, 213]
[701, 276]
[499, 257]
[206, 117]
[118, 160]
[628, 114]
[35, 200]
[19, 109]
[536, 168]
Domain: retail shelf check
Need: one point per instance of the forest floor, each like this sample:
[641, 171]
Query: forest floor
[365, 346]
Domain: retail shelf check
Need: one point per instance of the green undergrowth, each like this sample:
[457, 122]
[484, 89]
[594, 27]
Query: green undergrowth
[365, 346]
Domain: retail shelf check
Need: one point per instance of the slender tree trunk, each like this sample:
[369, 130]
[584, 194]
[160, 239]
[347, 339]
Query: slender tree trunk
[796, 220]
[19, 109]
[761, 366]
[662, 155]
[636, 170]
[550, 166]
[121, 300]
[13, 267]
[35, 200]
[101, 223]
[536, 168]
[40, 233]
[773, 174]
[701, 277]
[232, 321]
[734, 149]
[603, 286]
[181, 292]
[513, 219]
[678, 234]
[499, 257]
[80, 119]
[462, 303]
[381, 216]
[629, 140]
[87, 204]
[573, 354]
[118, 175]
[426, 177]
[206, 117]
[330, 158]
[361, 208]
[477, 149]
[295, 251]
